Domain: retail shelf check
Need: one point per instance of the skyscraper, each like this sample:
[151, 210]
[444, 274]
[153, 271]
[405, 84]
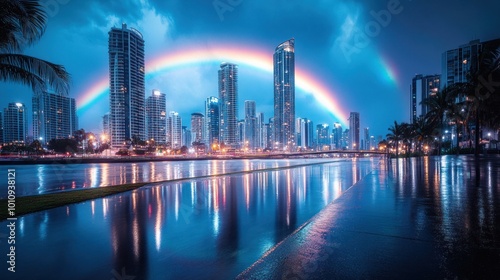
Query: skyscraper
[422, 87]
[284, 95]
[228, 102]
[15, 123]
[354, 131]
[305, 133]
[457, 63]
[367, 139]
[106, 126]
[197, 127]
[251, 137]
[126, 85]
[212, 121]
[156, 117]
[323, 134]
[54, 116]
[261, 134]
[174, 131]
[337, 135]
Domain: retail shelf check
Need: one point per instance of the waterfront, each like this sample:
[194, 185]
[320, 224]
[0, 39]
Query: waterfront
[205, 228]
[46, 178]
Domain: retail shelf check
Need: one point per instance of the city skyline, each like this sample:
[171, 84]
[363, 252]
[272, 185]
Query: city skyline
[385, 68]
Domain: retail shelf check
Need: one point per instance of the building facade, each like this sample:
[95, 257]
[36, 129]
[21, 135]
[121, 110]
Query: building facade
[54, 116]
[15, 123]
[323, 136]
[251, 126]
[212, 122]
[197, 128]
[228, 102]
[156, 117]
[126, 85]
[354, 131]
[174, 131]
[284, 95]
[422, 87]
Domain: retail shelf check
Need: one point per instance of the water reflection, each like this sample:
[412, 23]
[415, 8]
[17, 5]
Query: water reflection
[209, 228]
[60, 177]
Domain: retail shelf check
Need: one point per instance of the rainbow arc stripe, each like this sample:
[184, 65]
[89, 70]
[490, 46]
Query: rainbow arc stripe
[250, 57]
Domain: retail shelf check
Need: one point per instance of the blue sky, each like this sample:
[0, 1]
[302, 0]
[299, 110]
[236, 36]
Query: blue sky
[366, 52]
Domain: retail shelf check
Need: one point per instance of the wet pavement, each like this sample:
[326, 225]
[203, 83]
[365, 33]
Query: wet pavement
[419, 218]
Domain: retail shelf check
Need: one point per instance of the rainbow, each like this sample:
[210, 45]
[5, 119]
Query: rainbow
[252, 57]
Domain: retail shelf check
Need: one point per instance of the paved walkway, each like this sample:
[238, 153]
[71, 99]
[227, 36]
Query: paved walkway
[428, 218]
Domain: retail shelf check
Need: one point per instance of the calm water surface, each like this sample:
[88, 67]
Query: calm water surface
[211, 228]
[39, 179]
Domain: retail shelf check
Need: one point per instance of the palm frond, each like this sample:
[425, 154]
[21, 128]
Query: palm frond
[22, 22]
[37, 73]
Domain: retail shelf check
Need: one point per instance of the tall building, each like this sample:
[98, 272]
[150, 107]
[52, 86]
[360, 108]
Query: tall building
[15, 123]
[354, 131]
[156, 117]
[337, 135]
[228, 102]
[126, 85]
[323, 136]
[54, 116]
[305, 133]
[367, 139]
[197, 128]
[174, 131]
[457, 63]
[284, 95]
[186, 137]
[261, 134]
[422, 87]
[212, 121]
[251, 125]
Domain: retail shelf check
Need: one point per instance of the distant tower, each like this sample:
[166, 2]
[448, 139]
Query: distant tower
[284, 95]
[354, 131]
[54, 116]
[197, 127]
[337, 135]
[126, 85]
[228, 102]
[106, 126]
[367, 139]
[422, 87]
[212, 121]
[156, 117]
[15, 123]
[174, 130]
[251, 125]
[323, 134]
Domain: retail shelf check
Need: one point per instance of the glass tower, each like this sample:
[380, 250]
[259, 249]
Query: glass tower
[284, 95]
[156, 117]
[126, 85]
[228, 102]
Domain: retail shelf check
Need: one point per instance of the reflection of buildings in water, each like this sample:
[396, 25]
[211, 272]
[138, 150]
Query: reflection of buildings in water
[227, 239]
[286, 205]
[128, 220]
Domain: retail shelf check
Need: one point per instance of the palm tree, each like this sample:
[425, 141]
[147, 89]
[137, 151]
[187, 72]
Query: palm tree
[423, 131]
[22, 23]
[395, 135]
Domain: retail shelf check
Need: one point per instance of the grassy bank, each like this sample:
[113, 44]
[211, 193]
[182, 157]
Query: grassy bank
[34, 203]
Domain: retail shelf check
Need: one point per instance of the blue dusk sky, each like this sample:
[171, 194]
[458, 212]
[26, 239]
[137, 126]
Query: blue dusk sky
[364, 53]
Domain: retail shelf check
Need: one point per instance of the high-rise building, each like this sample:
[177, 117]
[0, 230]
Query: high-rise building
[367, 139]
[251, 125]
[187, 139]
[422, 87]
[15, 123]
[337, 135]
[54, 116]
[156, 117]
[305, 133]
[323, 136]
[354, 131]
[457, 63]
[240, 135]
[228, 102]
[197, 128]
[261, 143]
[212, 121]
[174, 131]
[126, 85]
[284, 95]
